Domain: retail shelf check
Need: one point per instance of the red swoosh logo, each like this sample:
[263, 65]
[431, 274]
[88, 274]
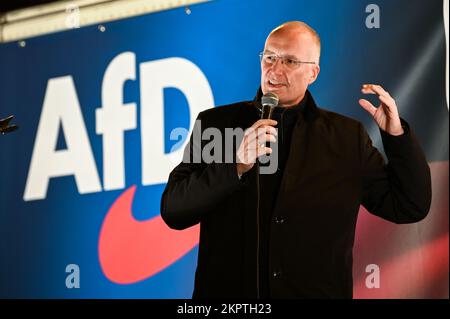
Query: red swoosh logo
[130, 250]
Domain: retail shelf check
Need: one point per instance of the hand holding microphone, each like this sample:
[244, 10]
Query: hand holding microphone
[253, 144]
[269, 101]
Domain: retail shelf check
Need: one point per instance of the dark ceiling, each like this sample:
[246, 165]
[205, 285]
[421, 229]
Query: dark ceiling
[10, 5]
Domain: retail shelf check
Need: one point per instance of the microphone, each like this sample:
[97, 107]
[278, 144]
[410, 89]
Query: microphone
[269, 101]
[5, 127]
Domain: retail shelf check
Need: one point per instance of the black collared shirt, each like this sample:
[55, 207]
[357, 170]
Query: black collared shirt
[270, 183]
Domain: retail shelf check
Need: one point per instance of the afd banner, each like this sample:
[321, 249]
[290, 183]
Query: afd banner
[104, 114]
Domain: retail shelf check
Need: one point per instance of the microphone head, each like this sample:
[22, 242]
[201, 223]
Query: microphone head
[269, 101]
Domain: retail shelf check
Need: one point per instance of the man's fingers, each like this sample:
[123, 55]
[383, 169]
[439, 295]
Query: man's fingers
[252, 134]
[262, 138]
[374, 89]
[263, 122]
[367, 89]
[383, 95]
[251, 154]
[368, 106]
[388, 100]
[389, 103]
[263, 151]
[255, 140]
[266, 136]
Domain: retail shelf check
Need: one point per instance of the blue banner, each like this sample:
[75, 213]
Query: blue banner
[104, 114]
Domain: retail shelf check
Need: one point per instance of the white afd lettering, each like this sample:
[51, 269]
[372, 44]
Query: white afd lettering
[61, 109]
[156, 75]
[115, 117]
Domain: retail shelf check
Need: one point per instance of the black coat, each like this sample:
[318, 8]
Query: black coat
[331, 170]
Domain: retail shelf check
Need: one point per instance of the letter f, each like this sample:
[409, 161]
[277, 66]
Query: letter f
[115, 117]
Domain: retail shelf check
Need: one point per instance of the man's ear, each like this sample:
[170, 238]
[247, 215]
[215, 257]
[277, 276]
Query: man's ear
[314, 73]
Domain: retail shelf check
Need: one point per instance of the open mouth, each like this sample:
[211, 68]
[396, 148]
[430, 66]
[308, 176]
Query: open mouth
[275, 84]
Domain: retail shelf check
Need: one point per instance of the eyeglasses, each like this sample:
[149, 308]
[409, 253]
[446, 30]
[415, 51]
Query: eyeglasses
[269, 58]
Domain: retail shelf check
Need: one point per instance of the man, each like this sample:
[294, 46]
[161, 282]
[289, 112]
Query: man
[290, 234]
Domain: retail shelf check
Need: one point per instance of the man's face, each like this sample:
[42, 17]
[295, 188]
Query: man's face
[289, 83]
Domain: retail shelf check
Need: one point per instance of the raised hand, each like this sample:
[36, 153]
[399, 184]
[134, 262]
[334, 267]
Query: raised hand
[386, 114]
[253, 144]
